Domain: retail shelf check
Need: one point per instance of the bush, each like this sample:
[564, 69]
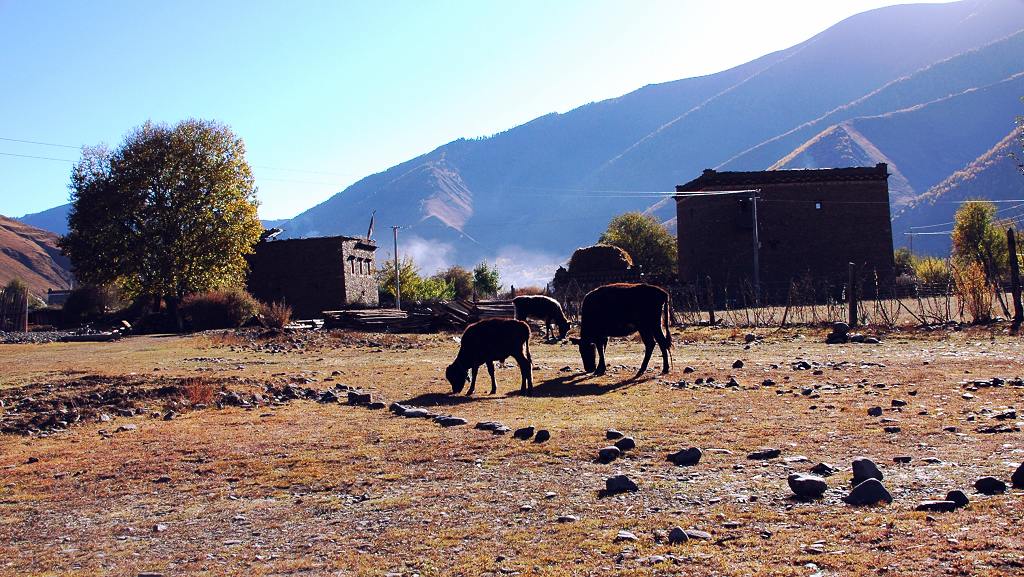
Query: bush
[197, 391]
[276, 315]
[89, 304]
[932, 270]
[220, 309]
[974, 291]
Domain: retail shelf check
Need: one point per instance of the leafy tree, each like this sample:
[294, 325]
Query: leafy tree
[486, 279]
[904, 261]
[651, 245]
[977, 239]
[414, 287]
[169, 213]
[460, 279]
[932, 270]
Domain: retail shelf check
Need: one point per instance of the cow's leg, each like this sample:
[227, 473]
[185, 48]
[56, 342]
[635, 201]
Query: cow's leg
[648, 340]
[525, 363]
[664, 343]
[547, 329]
[490, 371]
[472, 380]
[601, 343]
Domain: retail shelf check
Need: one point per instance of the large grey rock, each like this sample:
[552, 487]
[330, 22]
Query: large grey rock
[958, 497]
[1018, 477]
[626, 443]
[542, 436]
[875, 412]
[764, 454]
[624, 535]
[868, 493]
[608, 454]
[449, 421]
[619, 484]
[612, 434]
[686, 457]
[523, 433]
[936, 506]
[677, 535]
[864, 469]
[807, 486]
[990, 486]
[824, 469]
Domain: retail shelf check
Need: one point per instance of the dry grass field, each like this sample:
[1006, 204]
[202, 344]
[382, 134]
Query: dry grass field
[301, 487]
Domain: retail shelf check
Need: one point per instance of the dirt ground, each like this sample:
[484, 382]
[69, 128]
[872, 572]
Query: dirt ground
[300, 487]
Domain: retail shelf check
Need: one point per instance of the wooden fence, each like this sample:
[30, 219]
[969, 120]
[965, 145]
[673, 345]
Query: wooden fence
[13, 310]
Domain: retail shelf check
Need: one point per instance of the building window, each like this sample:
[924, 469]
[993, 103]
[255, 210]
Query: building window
[817, 205]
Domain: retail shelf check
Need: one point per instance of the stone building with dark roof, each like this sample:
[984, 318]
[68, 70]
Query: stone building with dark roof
[810, 224]
[313, 275]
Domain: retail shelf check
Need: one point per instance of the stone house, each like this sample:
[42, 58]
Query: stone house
[313, 275]
[810, 224]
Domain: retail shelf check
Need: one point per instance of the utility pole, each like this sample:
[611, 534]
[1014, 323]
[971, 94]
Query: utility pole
[757, 249]
[398, 271]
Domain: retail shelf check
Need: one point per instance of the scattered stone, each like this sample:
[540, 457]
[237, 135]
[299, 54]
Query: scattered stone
[677, 535]
[375, 406]
[795, 459]
[902, 459]
[958, 497]
[686, 457]
[126, 428]
[932, 461]
[159, 528]
[936, 506]
[328, 396]
[869, 492]
[951, 429]
[524, 433]
[619, 484]
[899, 403]
[625, 443]
[162, 479]
[823, 469]
[738, 364]
[764, 454]
[612, 434]
[892, 429]
[449, 421]
[542, 436]
[697, 535]
[567, 518]
[1017, 479]
[170, 415]
[749, 338]
[807, 486]
[418, 413]
[990, 486]
[872, 340]
[624, 535]
[550, 495]
[688, 370]
[31, 460]
[358, 398]
[875, 412]
[398, 408]
[608, 454]
[1007, 415]
[864, 469]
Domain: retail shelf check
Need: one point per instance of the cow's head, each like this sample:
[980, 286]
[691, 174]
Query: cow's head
[563, 329]
[588, 352]
[457, 376]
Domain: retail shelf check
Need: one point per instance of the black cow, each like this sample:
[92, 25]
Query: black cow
[485, 342]
[543, 308]
[619, 310]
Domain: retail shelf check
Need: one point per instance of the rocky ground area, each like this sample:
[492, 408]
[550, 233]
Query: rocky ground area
[344, 453]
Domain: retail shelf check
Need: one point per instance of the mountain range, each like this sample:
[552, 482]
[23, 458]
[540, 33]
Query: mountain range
[931, 89]
[31, 255]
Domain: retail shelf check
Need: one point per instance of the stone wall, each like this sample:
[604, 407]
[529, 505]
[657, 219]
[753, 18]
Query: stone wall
[360, 281]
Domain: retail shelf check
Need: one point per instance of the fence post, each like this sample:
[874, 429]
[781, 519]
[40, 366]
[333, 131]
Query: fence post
[711, 301]
[851, 294]
[1018, 307]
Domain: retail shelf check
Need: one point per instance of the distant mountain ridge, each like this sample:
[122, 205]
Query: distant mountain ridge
[31, 255]
[847, 96]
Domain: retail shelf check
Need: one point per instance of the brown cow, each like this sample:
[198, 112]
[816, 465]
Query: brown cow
[619, 310]
[485, 342]
[544, 308]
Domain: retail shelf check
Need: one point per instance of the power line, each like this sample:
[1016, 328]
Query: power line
[40, 143]
[37, 157]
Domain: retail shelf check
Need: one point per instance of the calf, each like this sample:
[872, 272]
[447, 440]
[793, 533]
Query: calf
[485, 342]
[619, 310]
[543, 308]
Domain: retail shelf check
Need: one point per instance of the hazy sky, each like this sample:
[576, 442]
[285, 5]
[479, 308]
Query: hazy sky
[335, 90]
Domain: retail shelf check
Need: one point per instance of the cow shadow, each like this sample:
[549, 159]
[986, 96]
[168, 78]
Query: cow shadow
[448, 399]
[577, 385]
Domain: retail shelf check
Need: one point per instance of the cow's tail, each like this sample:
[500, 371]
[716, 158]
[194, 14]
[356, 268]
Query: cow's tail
[667, 317]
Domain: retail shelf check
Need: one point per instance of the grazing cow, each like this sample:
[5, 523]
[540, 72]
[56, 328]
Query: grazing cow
[619, 310]
[485, 342]
[543, 308]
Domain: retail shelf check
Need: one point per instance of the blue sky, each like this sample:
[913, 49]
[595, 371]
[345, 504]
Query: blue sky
[325, 93]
